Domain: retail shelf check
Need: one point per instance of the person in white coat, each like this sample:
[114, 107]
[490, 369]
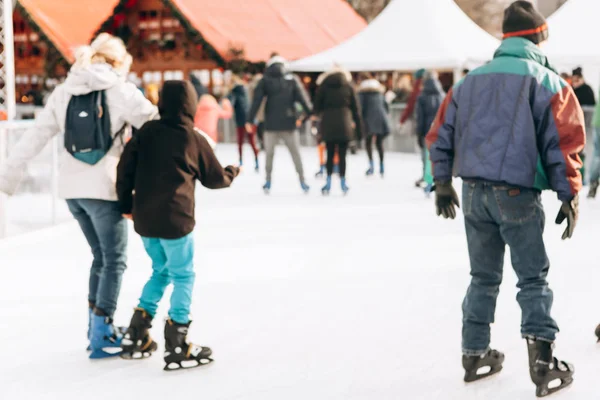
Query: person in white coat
[90, 189]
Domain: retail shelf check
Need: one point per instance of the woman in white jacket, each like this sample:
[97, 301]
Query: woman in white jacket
[90, 189]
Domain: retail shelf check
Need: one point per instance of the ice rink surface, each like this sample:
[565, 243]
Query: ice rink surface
[300, 297]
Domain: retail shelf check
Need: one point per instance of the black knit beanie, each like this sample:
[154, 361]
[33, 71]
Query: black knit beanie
[521, 19]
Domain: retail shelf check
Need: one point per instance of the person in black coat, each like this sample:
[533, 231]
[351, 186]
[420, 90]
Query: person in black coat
[282, 90]
[375, 115]
[583, 91]
[428, 103]
[156, 182]
[341, 121]
[241, 104]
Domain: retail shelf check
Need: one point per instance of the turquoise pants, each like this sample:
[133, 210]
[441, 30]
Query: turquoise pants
[172, 262]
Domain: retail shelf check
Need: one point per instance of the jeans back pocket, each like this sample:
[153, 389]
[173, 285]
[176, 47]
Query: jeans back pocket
[517, 204]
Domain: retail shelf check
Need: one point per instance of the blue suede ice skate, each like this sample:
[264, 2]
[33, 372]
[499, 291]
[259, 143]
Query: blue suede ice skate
[104, 336]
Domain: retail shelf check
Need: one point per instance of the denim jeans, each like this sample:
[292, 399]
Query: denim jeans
[496, 216]
[172, 261]
[106, 233]
[595, 164]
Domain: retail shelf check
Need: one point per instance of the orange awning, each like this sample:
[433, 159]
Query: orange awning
[293, 28]
[69, 24]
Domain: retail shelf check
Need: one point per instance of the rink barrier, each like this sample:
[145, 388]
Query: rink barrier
[41, 175]
[402, 139]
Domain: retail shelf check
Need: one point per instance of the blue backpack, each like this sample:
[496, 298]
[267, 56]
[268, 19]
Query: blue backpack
[87, 129]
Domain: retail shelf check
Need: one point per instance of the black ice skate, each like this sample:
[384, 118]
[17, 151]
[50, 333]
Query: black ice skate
[137, 343]
[598, 333]
[547, 373]
[179, 354]
[479, 367]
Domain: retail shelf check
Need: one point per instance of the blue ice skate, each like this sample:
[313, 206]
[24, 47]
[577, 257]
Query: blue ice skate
[371, 169]
[305, 187]
[120, 329]
[104, 336]
[345, 187]
[428, 190]
[382, 169]
[321, 172]
[327, 188]
[256, 165]
[267, 187]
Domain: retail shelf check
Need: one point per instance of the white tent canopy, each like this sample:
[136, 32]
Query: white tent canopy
[573, 30]
[408, 35]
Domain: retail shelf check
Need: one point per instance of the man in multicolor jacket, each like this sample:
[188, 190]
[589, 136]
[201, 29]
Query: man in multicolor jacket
[510, 129]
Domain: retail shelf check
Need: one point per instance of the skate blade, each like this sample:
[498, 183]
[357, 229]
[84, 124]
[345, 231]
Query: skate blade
[472, 376]
[100, 354]
[190, 364]
[544, 390]
[136, 355]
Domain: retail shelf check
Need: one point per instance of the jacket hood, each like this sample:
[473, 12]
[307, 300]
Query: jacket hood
[277, 60]
[371, 85]
[177, 104]
[432, 86]
[93, 78]
[523, 48]
[336, 71]
[276, 70]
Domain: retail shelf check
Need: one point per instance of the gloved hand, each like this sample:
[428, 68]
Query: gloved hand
[445, 199]
[569, 211]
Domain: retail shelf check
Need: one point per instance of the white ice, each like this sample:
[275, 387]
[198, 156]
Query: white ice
[300, 297]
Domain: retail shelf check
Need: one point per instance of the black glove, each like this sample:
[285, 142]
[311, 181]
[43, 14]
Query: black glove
[569, 211]
[445, 199]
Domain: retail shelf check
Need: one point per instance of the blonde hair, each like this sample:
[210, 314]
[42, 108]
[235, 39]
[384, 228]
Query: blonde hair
[107, 49]
[152, 93]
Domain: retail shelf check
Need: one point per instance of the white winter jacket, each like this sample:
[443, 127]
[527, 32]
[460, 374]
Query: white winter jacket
[78, 180]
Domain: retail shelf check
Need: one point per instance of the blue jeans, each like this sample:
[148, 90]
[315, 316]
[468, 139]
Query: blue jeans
[496, 216]
[106, 233]
[172, 261]
[595, 165]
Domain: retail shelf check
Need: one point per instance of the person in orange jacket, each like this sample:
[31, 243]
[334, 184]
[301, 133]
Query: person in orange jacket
[208, 113]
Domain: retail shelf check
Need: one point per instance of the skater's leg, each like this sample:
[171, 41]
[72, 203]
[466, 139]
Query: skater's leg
[379, 144]
[369, 147]
[260, 132]
[87, 227]
[111, 229]
[158, 282]
[330, 157]
[271, 139]
[180, 263]
[342, 152]
[522, 228]
[321, 149]
[486, 254]
[241, 132]
[595, 165]
[292, 141]
[252, 140]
